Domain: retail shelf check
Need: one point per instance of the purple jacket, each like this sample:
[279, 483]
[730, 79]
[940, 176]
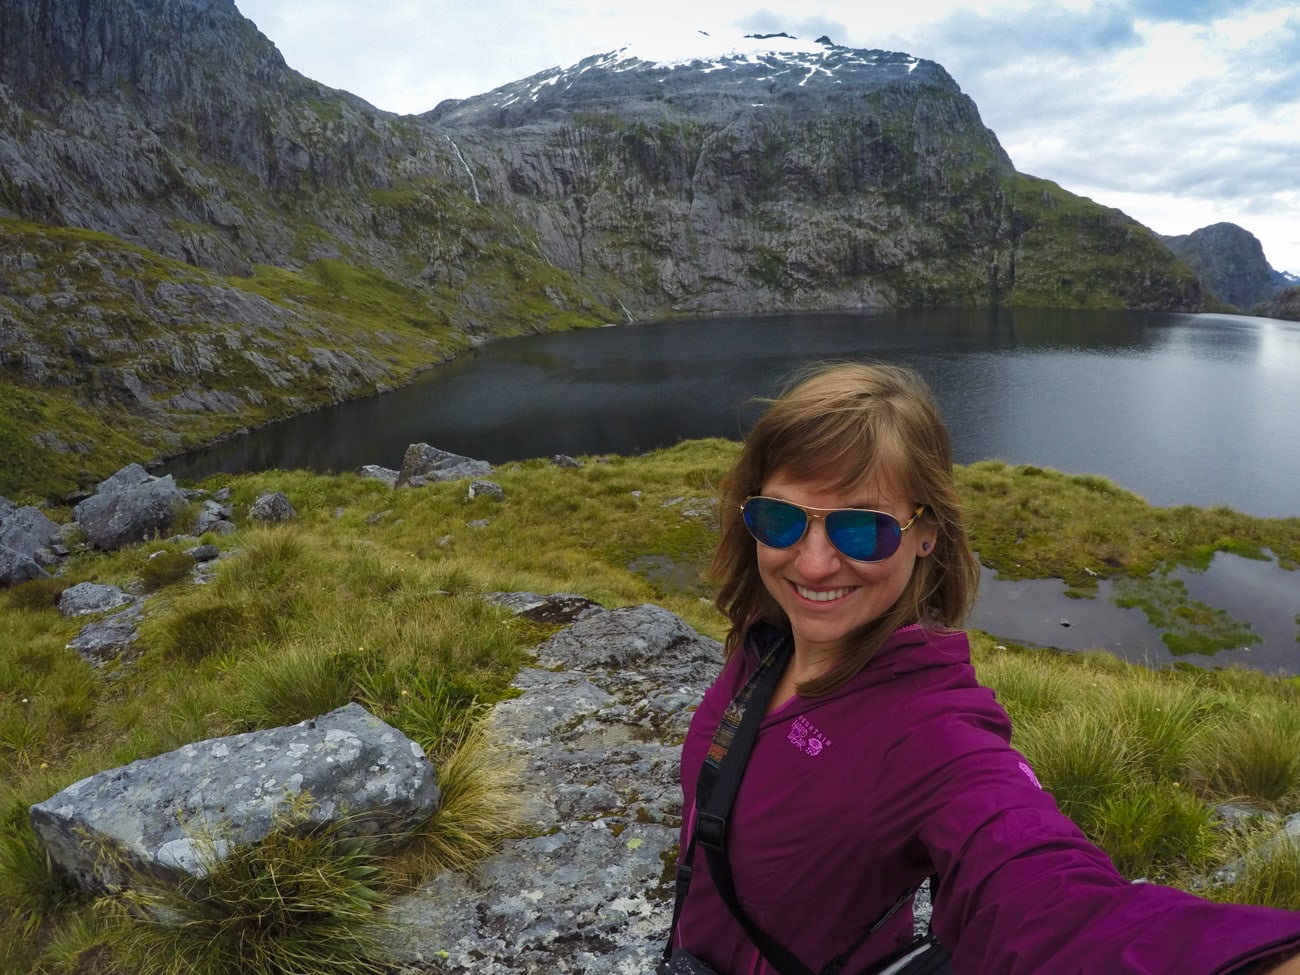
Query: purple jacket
[907, 770]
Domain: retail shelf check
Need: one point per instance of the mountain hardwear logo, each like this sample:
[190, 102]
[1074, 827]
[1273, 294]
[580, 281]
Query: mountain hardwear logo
[805, 737]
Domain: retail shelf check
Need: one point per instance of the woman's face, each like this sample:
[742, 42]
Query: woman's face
[826, 595]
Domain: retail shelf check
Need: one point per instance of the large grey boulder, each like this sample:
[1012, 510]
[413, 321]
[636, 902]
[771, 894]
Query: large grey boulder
[125, 509]
[17, 567]
[170, 815]
[27, 543]
[29, 531]
[423, 463]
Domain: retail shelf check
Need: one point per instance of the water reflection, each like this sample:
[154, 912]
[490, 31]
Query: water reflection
[1037, 612]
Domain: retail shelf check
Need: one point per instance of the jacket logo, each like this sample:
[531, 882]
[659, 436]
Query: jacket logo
[805, 737]
[1029, 774]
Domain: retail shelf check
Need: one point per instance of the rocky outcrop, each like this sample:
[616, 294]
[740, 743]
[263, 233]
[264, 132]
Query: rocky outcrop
[1230, 263]
[425, 464]
[29, 542]
[179, 814]
[1285, 305]
[599, 718]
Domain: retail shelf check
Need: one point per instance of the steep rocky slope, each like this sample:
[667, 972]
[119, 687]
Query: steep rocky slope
[782, 173]
[1230, 264]
[194, 237]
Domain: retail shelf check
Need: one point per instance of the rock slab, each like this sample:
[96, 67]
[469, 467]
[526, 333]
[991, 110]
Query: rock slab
[173, 814]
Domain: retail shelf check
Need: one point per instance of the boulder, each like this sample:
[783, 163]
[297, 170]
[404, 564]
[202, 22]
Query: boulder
[378, 473]
[213, 516]
[91, 597]
[123, 510]
[272, 507]
[102, 641]
[17, 567]
[29, 531]
[130, 476]
[486, 489]
[172, 815]
[423, 463]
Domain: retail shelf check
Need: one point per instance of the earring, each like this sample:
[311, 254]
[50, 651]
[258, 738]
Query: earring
[925, 546]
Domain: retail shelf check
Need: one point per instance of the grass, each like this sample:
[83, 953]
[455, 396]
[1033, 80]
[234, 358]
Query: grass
[377, 596]
[296, 902]
[1140, 759]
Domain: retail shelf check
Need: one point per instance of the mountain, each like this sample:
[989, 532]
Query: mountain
[195, 238]
[776, 173]
[1230, 264]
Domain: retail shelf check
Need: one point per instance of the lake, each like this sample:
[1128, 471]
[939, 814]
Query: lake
[1182, 409]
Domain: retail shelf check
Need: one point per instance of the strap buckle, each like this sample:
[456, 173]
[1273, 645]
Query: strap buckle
[711, 829]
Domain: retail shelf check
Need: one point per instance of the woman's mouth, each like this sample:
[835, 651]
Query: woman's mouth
[821, 595]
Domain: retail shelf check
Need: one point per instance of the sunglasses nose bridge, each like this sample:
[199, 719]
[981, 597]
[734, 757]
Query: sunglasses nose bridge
[817, 543]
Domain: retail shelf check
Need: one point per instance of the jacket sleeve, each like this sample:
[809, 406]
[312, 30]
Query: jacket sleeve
[1021, 889]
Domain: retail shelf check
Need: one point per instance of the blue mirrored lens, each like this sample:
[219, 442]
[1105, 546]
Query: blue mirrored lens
[864, 536]
[777, 524]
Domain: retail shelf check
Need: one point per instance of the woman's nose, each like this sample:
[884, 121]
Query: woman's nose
[817, 557]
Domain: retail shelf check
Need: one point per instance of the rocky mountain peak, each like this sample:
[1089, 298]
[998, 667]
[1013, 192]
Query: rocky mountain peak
[1230, 262]
[697, 71]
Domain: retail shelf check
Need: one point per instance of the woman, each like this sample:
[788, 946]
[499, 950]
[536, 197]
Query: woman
[881, 760]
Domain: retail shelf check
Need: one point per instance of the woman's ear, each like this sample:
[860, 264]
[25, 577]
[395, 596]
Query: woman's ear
[928, 535]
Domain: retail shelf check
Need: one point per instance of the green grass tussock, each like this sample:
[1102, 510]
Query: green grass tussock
[378, 596]
[1140, 759]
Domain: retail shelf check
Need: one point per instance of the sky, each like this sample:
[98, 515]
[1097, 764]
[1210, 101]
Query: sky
[1181, 113]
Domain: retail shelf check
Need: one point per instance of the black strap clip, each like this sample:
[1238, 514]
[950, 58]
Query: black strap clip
[711, 830]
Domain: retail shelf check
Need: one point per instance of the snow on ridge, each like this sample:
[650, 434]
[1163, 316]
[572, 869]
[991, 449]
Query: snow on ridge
[709, 52]
[678, 50]
[686, 48]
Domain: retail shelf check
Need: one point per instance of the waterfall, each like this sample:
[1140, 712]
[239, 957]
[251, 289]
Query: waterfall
[473, 183]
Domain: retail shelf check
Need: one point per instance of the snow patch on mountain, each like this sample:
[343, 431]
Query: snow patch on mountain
[705, 53]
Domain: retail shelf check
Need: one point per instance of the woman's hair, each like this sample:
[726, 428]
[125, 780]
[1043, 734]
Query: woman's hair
[842, 426]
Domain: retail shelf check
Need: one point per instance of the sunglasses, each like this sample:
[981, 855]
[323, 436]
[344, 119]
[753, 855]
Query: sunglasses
[860, 534]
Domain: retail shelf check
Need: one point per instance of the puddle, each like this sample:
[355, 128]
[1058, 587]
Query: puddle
[1257, 592]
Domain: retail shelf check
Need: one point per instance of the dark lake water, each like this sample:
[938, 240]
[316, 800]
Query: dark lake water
[1196, 409]
[1182, 409]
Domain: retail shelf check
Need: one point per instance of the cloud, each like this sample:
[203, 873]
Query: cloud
[1040, 33]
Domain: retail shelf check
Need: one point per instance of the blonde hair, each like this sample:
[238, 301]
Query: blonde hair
[843, 425]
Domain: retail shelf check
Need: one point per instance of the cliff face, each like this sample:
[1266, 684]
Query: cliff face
[806, 175]
[175, 125]
[194, 237]
[1230, 263]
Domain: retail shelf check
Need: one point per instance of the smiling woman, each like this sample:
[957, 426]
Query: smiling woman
[878, 759]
